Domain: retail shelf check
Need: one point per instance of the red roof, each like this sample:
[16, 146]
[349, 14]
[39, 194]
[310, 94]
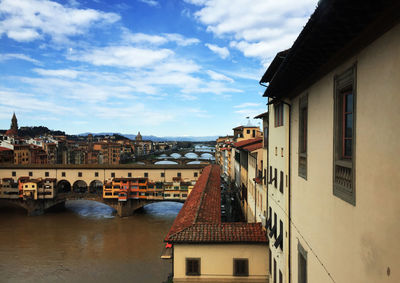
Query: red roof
[254, 146]
[247, 142]
[5, 149]
[199, 220]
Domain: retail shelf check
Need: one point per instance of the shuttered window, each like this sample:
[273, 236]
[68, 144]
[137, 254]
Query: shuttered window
[344, 136]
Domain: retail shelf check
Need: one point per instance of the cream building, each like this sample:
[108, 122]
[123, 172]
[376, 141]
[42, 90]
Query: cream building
[341, 80]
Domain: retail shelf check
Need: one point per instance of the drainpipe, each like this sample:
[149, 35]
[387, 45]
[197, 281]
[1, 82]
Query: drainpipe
[255, 200]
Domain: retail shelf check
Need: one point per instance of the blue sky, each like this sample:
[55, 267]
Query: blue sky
[165, 68]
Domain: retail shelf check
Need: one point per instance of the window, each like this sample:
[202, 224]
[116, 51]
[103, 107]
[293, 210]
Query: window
[14, 173]
[269, 221]
[96, 174]
[79, 174]
[62, 174]
[265, 137]
[178, 174]
[270, 174]
[112, 175]
[272, 233]
[344, 138]
[281, 182]
[254, 133]
[302, 264]
[240, 267]
[30, 173]
[146, 174]
[192, 266]
[276, 177]
[274, 271]
[129, 175]
[248, 131]
[46, 174]
[280, 277]
[303, 120]
[162, 174]
[195, 174]
[279, 240]
[278, 110]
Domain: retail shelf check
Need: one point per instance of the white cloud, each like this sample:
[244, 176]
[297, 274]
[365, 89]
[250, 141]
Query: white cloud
[10, 56]
[218, 76]
[152, 3]
[246, 105]
[26, 102]
[258, 28]
[72, 74]
[180, 40]
[161, 39]
[27, 20]
[121, 56]
[222, 52]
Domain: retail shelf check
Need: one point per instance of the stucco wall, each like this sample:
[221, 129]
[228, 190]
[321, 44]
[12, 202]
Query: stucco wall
[355, 243]
[279, 159]
[217, 261]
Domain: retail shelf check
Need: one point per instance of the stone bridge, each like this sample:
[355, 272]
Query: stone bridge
[38, 207]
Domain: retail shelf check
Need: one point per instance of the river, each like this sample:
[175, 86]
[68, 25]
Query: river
[85, 243]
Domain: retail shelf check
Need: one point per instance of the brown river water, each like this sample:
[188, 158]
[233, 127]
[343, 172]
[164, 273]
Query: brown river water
[85, 243]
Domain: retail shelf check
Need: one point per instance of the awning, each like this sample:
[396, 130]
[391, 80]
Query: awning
[167, 251]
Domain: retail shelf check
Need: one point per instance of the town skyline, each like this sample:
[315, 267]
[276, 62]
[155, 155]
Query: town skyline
[171, 68]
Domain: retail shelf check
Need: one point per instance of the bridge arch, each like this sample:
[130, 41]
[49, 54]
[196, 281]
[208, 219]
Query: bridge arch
[191, 155]
[206, 155]
[64, 186]
[96, 187]
[80, 186]
[176, 155]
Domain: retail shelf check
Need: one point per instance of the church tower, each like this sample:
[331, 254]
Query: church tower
[13, 131]
[14, 123]
[138, 137]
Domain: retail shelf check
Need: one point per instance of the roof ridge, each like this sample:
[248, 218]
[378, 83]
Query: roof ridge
[202, 196]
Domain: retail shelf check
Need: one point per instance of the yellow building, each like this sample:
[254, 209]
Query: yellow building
[340, 81]
[246, 132]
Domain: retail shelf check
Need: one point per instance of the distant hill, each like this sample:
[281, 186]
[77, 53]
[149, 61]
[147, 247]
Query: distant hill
[157, 139]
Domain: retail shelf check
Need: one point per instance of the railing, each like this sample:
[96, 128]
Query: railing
[343, 176]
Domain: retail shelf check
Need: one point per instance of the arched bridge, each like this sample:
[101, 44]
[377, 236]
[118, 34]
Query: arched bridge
[86, 182]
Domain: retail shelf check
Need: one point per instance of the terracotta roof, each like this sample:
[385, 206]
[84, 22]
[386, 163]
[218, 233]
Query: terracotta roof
[199, 220]
[5, 149]
[253, 146]
[247, 142]
[235, 232]
[242, 127]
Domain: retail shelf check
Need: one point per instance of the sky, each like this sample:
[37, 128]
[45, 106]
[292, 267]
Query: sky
[161, 67]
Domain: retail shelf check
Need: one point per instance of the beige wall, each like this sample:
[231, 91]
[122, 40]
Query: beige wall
[217, 262]
[256, 194]
[279, 159]
[355, 243]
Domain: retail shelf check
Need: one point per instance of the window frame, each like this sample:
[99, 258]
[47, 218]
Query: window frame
[344, 183]
[278, 114]
[193, 273]
[303, 136]
[237, 272]
[302, 253]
